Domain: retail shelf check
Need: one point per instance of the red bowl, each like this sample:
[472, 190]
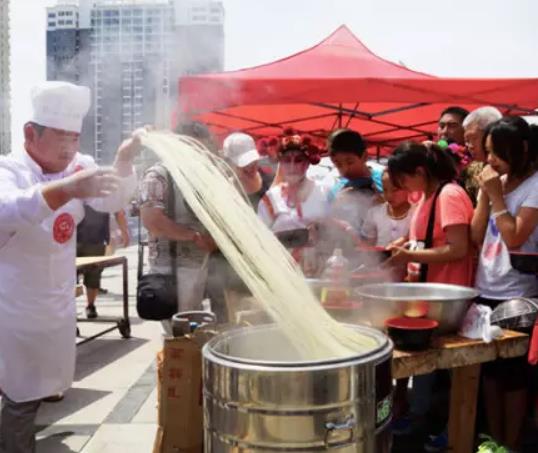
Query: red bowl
[411, 334]
[404, 322]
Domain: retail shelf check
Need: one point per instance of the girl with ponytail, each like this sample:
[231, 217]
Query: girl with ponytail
[438, 248]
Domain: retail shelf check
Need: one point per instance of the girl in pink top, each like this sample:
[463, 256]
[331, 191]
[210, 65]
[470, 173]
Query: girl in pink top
[449, 259]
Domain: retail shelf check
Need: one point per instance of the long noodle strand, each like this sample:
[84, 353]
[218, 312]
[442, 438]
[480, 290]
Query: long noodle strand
[257, 256]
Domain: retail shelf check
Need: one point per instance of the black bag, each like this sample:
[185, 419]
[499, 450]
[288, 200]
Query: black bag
[156, 294]
[428, 242]
[156, 297]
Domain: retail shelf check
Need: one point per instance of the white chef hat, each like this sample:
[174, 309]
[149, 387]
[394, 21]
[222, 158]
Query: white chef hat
[60, 105]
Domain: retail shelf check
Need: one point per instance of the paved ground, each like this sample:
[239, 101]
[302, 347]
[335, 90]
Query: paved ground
[111, 407]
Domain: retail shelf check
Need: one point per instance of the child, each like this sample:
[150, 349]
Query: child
[354, 192]
[446, 258]
[389, 221]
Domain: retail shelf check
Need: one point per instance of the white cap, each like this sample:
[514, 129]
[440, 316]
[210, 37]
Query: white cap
[240, 149]
[60, 105]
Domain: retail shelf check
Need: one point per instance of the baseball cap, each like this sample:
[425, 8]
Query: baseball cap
[240, 149]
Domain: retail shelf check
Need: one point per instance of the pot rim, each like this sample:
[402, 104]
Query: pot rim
[369, 292]
[383, 350]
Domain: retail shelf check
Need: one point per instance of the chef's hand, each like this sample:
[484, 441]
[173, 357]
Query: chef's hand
[92, 183]
[128, 150]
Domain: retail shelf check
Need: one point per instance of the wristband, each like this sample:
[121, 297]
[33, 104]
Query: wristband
[495, 215]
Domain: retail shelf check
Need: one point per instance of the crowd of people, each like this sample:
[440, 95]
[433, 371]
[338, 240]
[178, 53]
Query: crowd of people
[448, 210]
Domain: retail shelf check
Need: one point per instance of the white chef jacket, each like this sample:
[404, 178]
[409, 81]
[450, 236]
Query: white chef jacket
[37, 277]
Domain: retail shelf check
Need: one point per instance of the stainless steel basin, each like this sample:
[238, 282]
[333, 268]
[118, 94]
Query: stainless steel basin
[447, 304]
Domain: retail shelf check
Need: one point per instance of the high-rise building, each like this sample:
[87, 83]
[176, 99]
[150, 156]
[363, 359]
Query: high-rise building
[131, 54]
[5, 116]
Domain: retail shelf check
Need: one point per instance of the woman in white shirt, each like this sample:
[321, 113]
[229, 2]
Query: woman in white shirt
[295, 201]
[506, 218]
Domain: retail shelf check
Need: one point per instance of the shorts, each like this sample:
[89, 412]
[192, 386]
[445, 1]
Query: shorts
[92, 277]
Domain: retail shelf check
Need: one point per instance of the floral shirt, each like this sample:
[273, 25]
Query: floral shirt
[154, 193]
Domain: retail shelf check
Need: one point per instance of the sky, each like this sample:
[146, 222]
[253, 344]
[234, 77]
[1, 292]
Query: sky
[454, 38]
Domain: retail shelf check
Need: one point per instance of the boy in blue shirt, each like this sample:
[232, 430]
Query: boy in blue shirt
[354, 192]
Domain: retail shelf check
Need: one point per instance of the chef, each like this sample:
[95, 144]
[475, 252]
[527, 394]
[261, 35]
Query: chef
[42, 192]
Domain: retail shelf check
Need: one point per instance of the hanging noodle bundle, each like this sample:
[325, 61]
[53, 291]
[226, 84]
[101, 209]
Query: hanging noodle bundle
[257, 256]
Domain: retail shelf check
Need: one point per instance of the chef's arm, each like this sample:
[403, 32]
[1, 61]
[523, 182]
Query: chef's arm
[19, 208]
[30, 206]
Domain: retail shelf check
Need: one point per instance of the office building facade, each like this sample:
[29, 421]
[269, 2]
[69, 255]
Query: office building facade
[131, 54]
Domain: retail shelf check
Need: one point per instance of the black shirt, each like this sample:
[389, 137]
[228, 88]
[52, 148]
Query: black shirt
[94, 228]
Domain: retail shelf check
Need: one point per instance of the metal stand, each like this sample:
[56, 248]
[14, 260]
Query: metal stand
[122, 324]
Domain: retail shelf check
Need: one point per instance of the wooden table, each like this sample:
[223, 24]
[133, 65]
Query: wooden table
[101, 262]
[463, 357]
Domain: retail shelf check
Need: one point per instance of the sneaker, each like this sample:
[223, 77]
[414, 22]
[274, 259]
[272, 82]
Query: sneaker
[401, 426]
[437, 443]
[103, 291]
[91, 312]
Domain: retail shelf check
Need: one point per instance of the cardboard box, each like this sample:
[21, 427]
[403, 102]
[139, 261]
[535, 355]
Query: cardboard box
[179, 394]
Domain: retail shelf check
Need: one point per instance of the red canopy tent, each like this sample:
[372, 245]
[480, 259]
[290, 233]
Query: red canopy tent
[341, 83]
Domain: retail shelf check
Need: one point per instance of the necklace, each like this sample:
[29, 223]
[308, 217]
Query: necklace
[391, 214]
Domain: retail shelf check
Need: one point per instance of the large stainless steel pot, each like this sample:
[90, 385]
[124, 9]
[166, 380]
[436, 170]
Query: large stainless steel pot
[259, 397]
[447, 304]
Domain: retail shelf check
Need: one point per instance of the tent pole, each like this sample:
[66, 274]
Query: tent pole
[340, 113]
[378, 153]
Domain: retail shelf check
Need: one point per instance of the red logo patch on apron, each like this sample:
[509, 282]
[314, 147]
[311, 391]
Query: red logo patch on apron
[64, 227]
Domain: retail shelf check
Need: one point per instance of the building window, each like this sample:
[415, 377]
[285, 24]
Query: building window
[61, 22]
[52, 15]
[68, 22]
[199, 18]
[69, 13]
[111, 13]
[61, 13]
[52, 24]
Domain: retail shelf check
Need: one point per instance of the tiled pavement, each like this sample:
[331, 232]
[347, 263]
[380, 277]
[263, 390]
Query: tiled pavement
[111, 407]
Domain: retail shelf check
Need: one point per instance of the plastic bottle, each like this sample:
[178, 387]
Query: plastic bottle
[336, 276]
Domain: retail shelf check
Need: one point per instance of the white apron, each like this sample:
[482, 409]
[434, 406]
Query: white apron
[38, 311]
[37, 292]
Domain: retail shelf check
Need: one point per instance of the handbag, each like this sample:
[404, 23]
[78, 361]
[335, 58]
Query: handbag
[428, 242]
[156, 294]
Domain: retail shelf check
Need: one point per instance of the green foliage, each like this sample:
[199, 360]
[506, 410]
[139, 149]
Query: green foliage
[490, 446]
